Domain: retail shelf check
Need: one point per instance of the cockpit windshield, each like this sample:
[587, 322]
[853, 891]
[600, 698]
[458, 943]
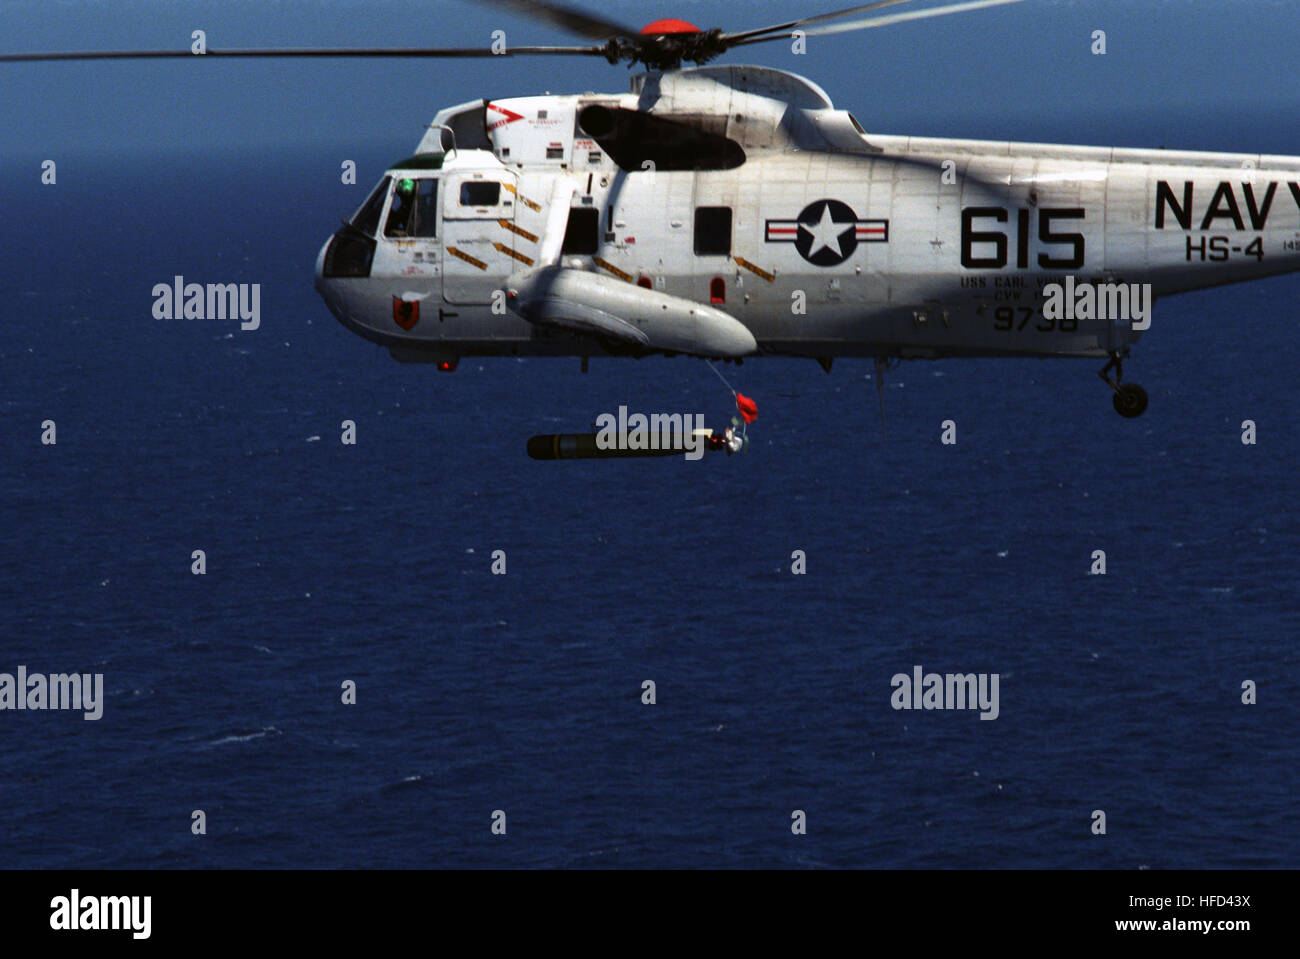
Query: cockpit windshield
[414, 210]
[366, 219]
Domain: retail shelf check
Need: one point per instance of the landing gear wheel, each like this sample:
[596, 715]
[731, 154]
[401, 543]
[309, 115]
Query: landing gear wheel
[1130, 400]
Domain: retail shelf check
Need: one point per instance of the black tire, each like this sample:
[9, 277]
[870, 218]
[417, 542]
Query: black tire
[1130, 401]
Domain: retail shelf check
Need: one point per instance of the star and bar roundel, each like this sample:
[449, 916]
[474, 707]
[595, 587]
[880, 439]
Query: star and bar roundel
[827, 232]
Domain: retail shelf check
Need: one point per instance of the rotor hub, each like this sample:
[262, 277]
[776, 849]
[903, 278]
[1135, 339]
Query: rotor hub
[670, 25]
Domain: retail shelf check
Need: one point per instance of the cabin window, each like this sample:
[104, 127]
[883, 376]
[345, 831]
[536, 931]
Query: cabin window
[366, 219]
[713, 231]
[480, 193]
[414, 210]
[581, 238]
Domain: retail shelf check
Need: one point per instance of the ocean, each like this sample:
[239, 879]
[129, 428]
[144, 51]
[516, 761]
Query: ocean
[522, 692]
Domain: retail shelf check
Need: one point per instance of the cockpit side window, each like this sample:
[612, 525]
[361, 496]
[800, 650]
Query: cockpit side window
[480, 193]
[414, 210]
[426, 209]
[366, 219]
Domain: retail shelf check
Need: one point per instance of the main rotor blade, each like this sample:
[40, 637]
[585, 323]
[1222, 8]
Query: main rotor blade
[886, 20]
[571, 18]
[735, 39]
[371, 52]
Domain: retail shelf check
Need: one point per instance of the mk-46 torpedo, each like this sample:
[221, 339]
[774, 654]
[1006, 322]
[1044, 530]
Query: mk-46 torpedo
[586, 446]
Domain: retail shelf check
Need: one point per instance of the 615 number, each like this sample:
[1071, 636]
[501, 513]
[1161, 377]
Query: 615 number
[999, 239]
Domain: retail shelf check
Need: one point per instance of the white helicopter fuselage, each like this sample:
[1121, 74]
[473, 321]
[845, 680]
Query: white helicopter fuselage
[754, 218]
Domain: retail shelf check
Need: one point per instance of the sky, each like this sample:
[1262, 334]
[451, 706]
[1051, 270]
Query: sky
[1192, 74]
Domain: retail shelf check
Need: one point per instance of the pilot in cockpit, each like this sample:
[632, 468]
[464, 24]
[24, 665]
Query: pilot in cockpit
[400, 209]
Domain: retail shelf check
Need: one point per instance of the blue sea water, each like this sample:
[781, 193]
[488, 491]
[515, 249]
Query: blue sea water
[522, 692]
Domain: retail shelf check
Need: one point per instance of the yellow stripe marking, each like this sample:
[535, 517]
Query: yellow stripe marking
[471, 260]
[536, 208]
[756, 270]
[606, 265]
[518, 231]
[502, 248]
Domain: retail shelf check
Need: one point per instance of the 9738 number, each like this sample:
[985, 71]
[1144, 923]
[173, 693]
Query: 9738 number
[1008, 318]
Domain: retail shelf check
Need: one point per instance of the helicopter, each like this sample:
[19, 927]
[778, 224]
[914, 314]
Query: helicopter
[730, 211]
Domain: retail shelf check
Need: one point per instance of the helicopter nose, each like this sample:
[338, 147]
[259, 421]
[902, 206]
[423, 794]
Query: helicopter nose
[334, 290]
[320, 261]
[324, 286]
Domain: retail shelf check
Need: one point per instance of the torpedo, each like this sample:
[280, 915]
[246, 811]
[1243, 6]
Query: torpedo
[587, 446]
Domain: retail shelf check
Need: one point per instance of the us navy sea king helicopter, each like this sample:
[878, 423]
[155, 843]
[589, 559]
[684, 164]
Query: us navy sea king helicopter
[733, 211]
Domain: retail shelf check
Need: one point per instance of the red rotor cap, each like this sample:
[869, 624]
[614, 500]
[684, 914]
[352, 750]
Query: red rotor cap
[670, 25]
